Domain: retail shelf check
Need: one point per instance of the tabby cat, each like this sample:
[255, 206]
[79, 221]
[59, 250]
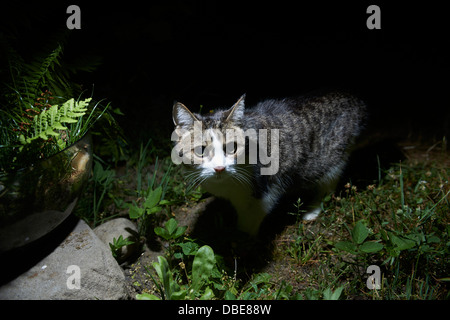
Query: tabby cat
[253, 157]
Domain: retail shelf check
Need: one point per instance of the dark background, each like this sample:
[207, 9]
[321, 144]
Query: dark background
[209, 53]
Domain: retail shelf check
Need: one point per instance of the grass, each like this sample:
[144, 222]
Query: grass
[394, 233]
[400, 224]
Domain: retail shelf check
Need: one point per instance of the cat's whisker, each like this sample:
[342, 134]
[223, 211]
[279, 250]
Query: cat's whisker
[245, 173]
[191, 175]
[242, 177]
[243, 183]
[197, 180]
[194, 184]
[193, 180]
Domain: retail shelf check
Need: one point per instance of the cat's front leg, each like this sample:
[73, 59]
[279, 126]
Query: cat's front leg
[250, 216]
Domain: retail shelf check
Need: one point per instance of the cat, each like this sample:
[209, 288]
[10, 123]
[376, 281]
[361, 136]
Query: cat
[308, 139]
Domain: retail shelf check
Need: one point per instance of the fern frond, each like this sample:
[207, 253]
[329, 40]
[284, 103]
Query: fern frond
[51, 120]
[30, 79]
[36, 117]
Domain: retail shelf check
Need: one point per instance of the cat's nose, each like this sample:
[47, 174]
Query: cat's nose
[219, 169]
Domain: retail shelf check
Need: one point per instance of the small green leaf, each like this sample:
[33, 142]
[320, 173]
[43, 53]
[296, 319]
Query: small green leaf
[189, 248]
[171, 226]
[229, 295]
[59, 126]
[121, 242]
[61, 144]
[346, 246]
[202, 266]
[75, 114]
[43, 136]
[179, 232]
[178, 295]
[118, 240]
[22, 139]
[263, 277]
[330, 295]
[165, 276]
[50, 132]
[371, 247]
[162, 233]
[135, 212]
[154, 210]
[67, 120]
[359, 233]
[146, 296]
[178, 255]
[69, 104]
[400, 242]
[208, 294]
[433, 239]
[153, 198]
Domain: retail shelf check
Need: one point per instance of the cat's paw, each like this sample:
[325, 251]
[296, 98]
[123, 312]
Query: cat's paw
[312, 215]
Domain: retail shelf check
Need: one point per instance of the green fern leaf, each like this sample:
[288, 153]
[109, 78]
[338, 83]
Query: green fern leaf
[67, 120]
[31, 78]
[61, 144]
[22, 139]
[68, 105]
[50, 132]
[76, 114]
[58, 126]
[42, 136]
[49, 120]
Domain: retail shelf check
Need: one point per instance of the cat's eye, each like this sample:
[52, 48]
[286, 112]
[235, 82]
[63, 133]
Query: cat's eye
[200, 151]
[231, 148]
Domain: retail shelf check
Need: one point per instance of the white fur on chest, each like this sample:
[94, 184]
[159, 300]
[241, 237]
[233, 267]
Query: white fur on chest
[251, 211]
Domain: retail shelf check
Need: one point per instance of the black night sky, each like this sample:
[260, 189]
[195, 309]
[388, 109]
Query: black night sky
[209, 53]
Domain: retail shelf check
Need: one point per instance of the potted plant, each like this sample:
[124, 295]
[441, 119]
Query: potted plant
[45, 146]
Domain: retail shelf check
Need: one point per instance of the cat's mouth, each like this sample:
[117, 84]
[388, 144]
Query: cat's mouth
[220, 173]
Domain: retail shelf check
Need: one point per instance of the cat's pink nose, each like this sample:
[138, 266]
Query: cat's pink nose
[219, 169]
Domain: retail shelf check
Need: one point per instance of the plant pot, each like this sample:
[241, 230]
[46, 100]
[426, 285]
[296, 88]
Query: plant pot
[35, 200]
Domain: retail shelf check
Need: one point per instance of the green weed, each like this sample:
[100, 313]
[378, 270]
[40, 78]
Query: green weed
[117, 245]
[103, 184]
[197, 278]
[150, 198]
[401, 226]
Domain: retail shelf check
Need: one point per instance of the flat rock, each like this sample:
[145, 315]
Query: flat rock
[80, 268]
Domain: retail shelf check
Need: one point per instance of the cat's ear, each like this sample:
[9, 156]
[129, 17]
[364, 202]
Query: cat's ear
[182, 116]
[236, 113]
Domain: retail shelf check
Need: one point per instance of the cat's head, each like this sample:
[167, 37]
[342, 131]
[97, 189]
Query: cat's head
[183, 118]
[209, 145]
